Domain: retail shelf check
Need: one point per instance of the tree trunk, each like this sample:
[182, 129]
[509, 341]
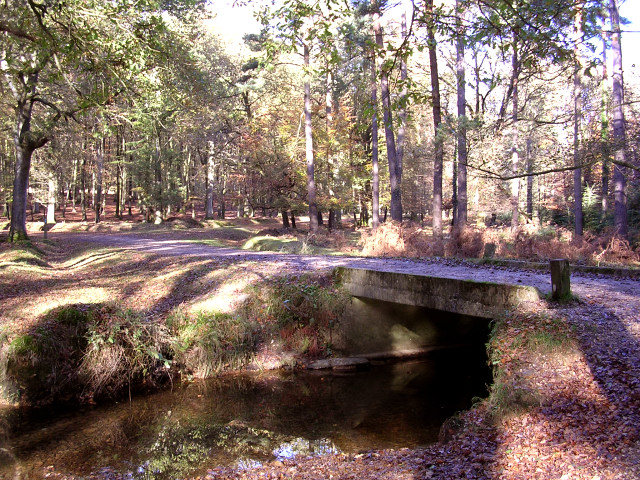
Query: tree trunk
[285, 218]
[208, 215]
[332, 219]
[99, 168]
[461, 208]
[454, 188]
[83, 186]
[75, 185]
[118, 176]
[515, 156]
[619, 134]
[604, 132]
[25, 143]
[437, 120]
[222, 182]
[577, 113]
[130, 190]
[51, 197]
[402, 100]
[375, 174]
[396, 194]
[18, 230]
[293, 220]
[529, 179]
[308, 135]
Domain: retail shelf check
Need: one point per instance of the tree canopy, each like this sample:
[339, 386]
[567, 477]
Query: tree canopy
[476, 100]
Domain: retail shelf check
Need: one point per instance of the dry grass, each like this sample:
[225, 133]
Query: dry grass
[398, 240]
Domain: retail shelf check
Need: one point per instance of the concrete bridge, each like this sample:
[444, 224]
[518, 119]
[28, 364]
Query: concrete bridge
[396, 315]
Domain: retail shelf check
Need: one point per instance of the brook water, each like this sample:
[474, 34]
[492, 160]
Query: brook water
[244, 419]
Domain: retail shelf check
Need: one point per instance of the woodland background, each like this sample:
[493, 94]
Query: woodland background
[479, 112]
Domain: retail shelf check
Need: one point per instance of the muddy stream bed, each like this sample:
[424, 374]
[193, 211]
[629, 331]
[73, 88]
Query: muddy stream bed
[243, 419]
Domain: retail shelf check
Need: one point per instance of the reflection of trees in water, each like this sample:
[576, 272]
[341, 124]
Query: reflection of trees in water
[241, 418]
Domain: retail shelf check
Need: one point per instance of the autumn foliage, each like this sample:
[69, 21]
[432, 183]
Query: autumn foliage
[525, 243]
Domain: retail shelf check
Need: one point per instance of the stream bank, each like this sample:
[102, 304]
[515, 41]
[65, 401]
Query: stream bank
[576, 412]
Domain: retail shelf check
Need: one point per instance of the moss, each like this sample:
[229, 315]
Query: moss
[24, 252]
[266, 243]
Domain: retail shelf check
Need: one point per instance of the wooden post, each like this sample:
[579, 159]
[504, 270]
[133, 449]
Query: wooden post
[560, 279]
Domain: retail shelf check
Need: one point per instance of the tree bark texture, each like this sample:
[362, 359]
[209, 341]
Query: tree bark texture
[99, 170]
[396, 194]
[308, 136]
[402, 113]
[437, 120]
[461, 209]
[375, 174]
[604, 131]
[577, 113]
[25, 143]
[529, 160]
[619, 134]
[211, 167]
[515, 156]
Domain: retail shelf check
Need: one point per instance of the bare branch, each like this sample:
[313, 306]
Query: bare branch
[16, 32]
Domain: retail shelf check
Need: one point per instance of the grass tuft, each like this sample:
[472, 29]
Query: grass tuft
[208, 343]
[300, 311]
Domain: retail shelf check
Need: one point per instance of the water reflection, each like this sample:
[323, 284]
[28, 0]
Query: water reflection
[244, 419]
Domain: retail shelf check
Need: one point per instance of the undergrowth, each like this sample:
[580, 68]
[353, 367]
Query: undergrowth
[525, 243]
[81, 352]
[86, 352]
[300, 311]
[513, 339]
[204, 344]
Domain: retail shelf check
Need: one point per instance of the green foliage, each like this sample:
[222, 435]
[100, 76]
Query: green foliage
[24, 345]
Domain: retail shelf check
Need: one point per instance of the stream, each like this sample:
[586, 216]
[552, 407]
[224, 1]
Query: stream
[248, 418]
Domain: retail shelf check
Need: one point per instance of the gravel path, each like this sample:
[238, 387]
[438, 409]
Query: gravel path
[621, 295]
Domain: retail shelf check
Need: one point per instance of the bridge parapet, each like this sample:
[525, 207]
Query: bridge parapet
[466, 297]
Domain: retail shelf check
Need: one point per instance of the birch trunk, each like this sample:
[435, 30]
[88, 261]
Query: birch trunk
[308, 135]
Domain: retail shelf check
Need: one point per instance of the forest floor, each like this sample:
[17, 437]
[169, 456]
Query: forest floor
[570, 411]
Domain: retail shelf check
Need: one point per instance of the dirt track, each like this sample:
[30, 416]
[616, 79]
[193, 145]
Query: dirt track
[617, 294]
